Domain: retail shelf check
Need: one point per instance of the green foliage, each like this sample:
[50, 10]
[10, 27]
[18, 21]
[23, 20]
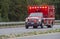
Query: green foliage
[16, 10]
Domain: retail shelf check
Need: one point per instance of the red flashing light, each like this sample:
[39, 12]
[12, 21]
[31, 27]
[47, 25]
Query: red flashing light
[40, 7]
[29, 7]
[35, 7]
[45, 7]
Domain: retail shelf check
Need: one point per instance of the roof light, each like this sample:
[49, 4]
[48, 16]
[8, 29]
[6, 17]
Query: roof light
[35, 7]
[29, 7]
[40, 7]
[32, 7]
[43, 7]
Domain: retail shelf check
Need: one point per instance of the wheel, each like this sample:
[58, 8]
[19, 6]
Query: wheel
[26, 27]
[34, 26]
[49, 26]
[41, 25]
[52, 23]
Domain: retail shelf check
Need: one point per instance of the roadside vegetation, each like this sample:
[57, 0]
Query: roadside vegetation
[16, 10]
[29, 34]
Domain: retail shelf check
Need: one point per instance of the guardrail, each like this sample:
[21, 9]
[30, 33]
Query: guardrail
[11, 23]
[19, 23]
[57, 21]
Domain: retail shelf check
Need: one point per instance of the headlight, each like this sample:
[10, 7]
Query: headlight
[26, 20]
[39, 20]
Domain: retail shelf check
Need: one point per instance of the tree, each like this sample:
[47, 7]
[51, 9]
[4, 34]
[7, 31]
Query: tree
[4, 10]
[16, 10]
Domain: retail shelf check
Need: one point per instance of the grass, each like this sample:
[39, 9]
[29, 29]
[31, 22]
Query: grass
[11, 26]
[28, 34]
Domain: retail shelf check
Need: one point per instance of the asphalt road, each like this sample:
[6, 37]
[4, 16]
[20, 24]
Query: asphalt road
[22, 29]
[45, 36]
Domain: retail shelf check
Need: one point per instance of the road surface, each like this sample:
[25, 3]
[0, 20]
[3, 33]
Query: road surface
[45, 36]
[22, 29]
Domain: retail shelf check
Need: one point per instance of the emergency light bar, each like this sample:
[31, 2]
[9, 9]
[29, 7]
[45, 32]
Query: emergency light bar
[37, 7]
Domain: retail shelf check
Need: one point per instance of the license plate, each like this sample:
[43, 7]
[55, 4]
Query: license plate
[32, 23]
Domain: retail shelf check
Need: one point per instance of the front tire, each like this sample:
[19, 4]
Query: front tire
[34, 26]
[41, 25]
[49, 26]
[26, 26]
